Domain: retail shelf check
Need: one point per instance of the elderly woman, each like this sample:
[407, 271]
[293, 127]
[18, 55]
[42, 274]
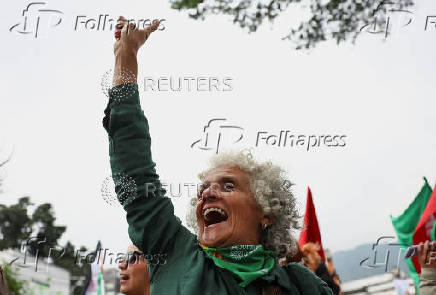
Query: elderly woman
[242, 216]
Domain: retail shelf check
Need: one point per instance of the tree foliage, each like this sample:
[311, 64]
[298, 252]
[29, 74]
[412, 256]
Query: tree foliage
[39, 233]
[338, 20]
[43, 220]
[15, 286]
[15, 224]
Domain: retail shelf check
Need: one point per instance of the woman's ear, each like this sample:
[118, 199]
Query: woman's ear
[268, 220]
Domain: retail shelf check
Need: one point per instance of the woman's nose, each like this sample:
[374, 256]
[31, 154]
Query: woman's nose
[211, 192]
[122, 265]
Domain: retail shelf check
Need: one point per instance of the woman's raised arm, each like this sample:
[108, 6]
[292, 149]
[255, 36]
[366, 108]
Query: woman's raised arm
[150, 215]
[129, 41]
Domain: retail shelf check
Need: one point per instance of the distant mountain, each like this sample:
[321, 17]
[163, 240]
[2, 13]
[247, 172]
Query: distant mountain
[348, 263]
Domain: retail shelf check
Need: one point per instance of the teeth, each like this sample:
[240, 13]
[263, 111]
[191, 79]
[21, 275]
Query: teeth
[214, 209]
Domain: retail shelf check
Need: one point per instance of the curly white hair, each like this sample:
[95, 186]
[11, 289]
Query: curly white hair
[272, 191]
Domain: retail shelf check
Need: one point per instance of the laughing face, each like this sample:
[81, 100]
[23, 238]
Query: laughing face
[227, 212]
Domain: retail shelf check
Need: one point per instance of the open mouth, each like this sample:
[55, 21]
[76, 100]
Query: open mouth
[124, 277]
[214, 216]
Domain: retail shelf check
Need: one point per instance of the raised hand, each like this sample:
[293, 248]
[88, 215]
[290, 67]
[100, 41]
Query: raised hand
[128, 41]
[427, 254]
[129, 38]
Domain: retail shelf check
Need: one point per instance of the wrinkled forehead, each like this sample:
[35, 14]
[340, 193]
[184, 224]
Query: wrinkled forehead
[227, 173]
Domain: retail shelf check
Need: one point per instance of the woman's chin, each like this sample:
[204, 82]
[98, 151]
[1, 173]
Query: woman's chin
[124, 289]
[214, 234]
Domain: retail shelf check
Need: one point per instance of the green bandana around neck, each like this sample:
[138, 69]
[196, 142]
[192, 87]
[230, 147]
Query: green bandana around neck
[248, 262]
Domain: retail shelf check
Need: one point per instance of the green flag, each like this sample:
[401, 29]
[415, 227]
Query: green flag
[100, 284]
[406, 223]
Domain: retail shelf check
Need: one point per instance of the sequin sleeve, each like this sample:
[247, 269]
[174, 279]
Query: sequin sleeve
[150, 215]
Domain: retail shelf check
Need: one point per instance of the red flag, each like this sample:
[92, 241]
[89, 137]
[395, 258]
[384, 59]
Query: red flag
[423, 230]
[310, 232]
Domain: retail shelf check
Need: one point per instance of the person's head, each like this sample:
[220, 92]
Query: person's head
[330, 266]
[243, 201]
[292, 257]
[312, 259]
[134, 273]
[396, 273]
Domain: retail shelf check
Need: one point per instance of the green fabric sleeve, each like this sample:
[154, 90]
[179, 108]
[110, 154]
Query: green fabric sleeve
[150, 215]
[308, 282]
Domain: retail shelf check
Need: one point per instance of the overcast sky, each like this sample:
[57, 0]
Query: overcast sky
[380, 95]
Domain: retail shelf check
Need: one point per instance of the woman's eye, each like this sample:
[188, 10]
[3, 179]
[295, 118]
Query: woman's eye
[200, 193]
[229, 186]
[132, 259]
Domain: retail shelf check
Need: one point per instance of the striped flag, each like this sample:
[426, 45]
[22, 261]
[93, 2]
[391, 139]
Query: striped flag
[406, 223]
[94, 284]
[425, 230]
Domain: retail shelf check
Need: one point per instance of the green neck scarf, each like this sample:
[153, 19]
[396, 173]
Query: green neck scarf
[248, 262]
